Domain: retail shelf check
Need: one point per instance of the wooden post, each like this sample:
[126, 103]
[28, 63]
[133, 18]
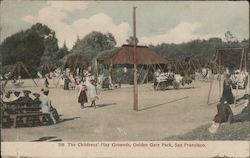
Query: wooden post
[28, 73]
[219, 58]
[110, 74]
[148, 68]
[245, 69]
[248, 66]
[248, 82]
[237, 86]
[210, 88]
[160, 67]
[145, 75]
[96, 70]
[135, 63]
[140, 74]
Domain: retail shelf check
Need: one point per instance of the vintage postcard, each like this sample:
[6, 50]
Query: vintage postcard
[124, 79]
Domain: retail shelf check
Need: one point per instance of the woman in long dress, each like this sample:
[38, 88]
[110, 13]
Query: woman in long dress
[227, 94]
[66, 83]
[92, 92]
[82, 97]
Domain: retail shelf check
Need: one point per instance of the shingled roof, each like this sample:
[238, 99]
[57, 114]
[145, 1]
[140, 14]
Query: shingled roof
[124, 55]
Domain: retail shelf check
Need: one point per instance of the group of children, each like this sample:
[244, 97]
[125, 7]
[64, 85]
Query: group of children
[86, 87]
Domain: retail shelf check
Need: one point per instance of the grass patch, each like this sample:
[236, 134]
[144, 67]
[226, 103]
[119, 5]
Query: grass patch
[226, 131]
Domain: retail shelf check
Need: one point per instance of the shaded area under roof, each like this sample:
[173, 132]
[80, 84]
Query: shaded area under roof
[124, 55]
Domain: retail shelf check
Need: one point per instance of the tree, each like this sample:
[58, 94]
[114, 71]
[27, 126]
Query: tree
[229, 37]
[62, 52]
[92, 44]
[245, 43]
[24, 46]
[231, 40]
[50, 42]
[130, 40]
[201, 49]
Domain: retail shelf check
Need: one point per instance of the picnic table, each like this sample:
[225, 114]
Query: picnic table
[23, 114]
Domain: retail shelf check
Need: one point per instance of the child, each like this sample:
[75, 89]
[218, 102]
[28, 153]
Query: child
[92, 92]
[46, 82]
[73, 83]
[82, 97]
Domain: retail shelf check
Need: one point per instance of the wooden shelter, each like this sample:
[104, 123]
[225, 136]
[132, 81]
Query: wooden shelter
[133, 55]
[124, 55]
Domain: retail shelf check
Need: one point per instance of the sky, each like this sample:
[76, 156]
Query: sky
[156, 21]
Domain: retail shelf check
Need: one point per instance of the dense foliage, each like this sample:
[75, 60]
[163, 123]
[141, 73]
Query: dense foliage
[38, 46]
[25, 46]
[201, 49]
[92, 44]
[34, 47]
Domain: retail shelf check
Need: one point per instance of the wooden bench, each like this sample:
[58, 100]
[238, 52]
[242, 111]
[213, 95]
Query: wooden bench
[17, 110]
[36, 117]
[22, 104]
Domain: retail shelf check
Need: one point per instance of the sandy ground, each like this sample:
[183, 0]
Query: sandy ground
[161, 114]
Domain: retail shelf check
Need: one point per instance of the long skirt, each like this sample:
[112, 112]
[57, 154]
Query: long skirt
[66, 84]
[228, 95]
[82, 97]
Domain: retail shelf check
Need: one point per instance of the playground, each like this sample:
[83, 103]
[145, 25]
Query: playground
[160, 114]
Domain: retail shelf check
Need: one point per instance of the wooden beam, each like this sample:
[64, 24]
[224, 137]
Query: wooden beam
[245, 69]
[110, 75]
[135, 89]
[219, 58]
[140, 72]
[145, 75]
[210, 87]
[28, 73]
[237, 86]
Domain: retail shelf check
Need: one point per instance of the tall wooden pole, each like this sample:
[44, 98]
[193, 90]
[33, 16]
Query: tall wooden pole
[135, 89]
[237, 86]
[110, 76]
[25, 69]
[245, 69]
[219, 58]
